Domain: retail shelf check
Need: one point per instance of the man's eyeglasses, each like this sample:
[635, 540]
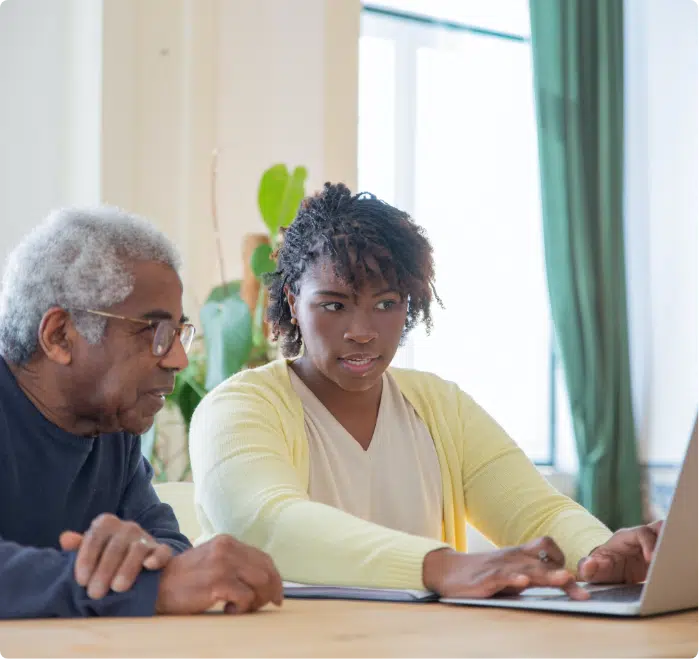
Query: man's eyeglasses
[165, 331]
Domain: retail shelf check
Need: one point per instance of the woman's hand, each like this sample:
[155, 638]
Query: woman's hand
[624, 558]
[507, 571]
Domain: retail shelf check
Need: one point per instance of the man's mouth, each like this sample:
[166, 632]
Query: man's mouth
[160, 394]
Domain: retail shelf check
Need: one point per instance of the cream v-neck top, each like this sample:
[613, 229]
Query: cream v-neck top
[396, 482]
[251, 464]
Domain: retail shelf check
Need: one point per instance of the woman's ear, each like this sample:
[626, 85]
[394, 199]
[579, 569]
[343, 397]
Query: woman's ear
[57, 335]
[291, 300]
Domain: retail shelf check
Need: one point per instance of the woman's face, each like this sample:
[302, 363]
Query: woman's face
[349, 337]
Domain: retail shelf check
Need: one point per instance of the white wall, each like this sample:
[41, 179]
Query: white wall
[33, 60]
[49, 130]
[31, 113]
[158, 120]
[662, 216]
[287, 83]
[262, 82]
[124, 101]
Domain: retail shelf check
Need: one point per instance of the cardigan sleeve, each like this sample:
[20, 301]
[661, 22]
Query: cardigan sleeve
[247, 486]
[509, 500]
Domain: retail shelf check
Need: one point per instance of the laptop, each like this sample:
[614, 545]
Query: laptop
[671, 584]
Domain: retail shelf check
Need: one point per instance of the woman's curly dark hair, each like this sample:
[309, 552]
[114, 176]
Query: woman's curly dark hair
[359, 233]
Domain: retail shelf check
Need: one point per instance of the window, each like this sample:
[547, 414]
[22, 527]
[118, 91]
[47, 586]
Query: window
[447, 131]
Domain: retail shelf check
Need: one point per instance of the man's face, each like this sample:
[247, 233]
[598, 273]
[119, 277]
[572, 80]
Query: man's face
[119, 383]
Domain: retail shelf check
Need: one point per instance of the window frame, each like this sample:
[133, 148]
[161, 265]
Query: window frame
[409, 34]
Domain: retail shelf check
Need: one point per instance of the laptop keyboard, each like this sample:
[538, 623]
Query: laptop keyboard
[628, 593]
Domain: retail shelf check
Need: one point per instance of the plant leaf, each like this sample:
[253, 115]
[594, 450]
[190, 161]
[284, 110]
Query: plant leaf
[189, 398]
[261, 260]
[189, 388]
[295, 192]
[279, 196]
[227, 325]
[270, 194]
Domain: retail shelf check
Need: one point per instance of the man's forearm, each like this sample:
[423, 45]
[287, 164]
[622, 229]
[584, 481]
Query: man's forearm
[39, 583]
[176, 541]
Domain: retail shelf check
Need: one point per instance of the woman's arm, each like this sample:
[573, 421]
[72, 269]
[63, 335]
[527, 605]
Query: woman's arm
[246, 485]
[509, 500]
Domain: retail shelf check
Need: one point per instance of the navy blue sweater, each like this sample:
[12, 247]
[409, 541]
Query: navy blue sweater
[52, 481]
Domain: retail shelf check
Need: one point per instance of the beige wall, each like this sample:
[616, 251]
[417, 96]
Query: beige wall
[287, 84]
[49, 131]
[123, 101]
[263, 82]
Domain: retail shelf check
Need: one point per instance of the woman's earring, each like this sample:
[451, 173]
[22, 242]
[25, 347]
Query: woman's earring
[293, 320]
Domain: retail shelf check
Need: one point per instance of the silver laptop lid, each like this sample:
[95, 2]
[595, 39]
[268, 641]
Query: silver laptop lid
[672, 578]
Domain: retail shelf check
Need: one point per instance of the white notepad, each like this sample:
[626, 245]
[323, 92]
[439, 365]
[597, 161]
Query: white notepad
[294, 590]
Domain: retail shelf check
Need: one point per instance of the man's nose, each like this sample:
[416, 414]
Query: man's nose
[176, 358]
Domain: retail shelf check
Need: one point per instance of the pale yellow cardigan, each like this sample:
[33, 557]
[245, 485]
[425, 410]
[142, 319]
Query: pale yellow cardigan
[250, 464]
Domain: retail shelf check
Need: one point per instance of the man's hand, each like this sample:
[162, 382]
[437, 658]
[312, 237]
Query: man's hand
[624, 558]
[220, 570]
[112, 553]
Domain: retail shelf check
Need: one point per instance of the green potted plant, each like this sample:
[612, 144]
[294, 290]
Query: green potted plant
[233, 331]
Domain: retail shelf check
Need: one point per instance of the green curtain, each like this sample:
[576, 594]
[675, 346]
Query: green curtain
[578, 57]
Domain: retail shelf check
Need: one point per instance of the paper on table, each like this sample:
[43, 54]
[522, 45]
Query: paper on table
[295, 590]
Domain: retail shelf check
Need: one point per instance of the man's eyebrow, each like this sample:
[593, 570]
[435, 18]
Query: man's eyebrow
[160, 314]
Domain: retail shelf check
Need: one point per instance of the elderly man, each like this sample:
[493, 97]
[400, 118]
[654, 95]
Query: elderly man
[91, 337]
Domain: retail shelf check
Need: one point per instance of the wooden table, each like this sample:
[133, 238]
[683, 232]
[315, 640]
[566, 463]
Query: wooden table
[356, 629]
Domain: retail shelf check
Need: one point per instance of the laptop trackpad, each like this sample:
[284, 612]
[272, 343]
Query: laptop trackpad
[617, 593]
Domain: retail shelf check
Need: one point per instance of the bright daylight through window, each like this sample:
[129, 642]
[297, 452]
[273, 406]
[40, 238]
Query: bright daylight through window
[447, 131]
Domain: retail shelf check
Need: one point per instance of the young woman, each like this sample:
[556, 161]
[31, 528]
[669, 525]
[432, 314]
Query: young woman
[349, 472]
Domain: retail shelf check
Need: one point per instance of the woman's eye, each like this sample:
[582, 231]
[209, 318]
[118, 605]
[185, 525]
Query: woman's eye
[331, 306]
[385, 305]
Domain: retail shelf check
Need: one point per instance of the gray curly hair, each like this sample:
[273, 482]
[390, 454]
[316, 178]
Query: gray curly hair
[77, 259]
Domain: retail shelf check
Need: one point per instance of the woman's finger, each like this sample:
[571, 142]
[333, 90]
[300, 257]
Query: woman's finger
[574, 591]
[496, 581]
[588, 568]
[599, 568]
[647, 539]
[516, 583]
[656, 526]
[545, 550]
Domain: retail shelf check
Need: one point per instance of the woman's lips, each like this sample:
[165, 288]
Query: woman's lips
[359, 365]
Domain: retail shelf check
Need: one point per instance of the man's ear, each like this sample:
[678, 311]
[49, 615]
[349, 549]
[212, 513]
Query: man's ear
[57, 335]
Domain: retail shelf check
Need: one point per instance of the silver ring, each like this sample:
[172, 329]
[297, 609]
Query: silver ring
[144, 541]
[544, 557]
